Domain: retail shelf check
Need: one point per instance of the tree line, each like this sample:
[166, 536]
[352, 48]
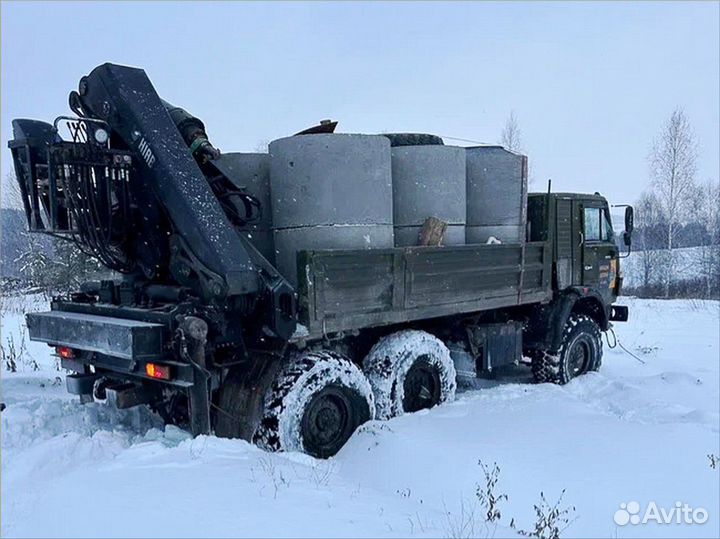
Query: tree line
[31, 262]
[676, 241]
[677, 210]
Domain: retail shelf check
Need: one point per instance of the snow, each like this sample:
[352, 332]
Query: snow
[300, 333]
[632, 432]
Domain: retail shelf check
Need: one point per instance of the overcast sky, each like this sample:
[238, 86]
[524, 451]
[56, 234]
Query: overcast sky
[591, 84]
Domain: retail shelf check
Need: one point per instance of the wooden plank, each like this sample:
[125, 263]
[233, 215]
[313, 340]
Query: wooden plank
[433, 232]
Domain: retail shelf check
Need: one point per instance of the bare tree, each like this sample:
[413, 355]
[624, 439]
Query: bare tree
[55, 265]
[10, 196]
[38, 261]
[262, 146]
[511, 136]
[12, 227]
[706, 206]
[649, 228]
[672, 170]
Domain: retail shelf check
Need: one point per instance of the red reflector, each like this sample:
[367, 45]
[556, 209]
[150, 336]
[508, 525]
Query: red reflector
[161, 372]
[65, 352]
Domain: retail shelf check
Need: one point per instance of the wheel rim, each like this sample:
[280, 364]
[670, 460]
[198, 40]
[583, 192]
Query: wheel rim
[579, 357]
[421, 386]
[329, 420]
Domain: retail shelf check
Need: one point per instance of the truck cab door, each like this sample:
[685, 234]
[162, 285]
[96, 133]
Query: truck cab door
[568, 242]
[599, 252]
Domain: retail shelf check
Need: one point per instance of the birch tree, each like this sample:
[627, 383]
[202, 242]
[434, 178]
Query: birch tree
[672, 171]
[511, 136]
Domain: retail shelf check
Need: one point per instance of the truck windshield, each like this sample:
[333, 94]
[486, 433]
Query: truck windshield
[597, 225]
[592, 224]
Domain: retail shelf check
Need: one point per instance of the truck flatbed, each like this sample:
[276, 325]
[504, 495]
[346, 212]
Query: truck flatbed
[346, 290]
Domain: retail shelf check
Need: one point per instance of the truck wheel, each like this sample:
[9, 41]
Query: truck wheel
[409, 370]
[580, 352]
[315, 404]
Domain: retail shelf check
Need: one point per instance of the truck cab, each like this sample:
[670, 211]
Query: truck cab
[579, 228]
[585, 274]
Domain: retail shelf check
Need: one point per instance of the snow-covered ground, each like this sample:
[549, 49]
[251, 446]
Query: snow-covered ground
[633, 432]
[687, 265]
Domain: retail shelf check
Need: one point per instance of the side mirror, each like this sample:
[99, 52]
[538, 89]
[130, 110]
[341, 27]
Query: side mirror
[629, 221]
[627, 238]
[629, 225]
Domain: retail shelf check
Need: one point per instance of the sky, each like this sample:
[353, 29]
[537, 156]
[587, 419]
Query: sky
[590, 83]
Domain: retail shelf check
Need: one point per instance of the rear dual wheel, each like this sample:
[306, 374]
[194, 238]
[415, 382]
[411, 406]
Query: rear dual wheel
[315, 404]
[409, 371]
[319, 398]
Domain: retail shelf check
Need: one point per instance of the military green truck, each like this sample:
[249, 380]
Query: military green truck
[219, 332]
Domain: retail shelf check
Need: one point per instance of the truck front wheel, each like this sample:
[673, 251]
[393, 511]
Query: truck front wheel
[409, 370]
[580, 352]
[315, 404]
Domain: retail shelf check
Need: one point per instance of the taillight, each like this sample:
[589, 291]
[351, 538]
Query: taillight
[161, 372]
[65, 352]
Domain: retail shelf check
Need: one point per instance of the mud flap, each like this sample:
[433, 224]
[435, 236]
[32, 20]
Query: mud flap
[80, 384]
[199, 399]
[128, 394]
[193, 333]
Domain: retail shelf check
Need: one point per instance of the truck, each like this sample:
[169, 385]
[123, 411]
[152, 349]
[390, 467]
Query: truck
[200, 325]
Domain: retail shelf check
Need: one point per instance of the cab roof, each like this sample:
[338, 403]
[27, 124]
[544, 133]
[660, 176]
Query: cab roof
[584, 196]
